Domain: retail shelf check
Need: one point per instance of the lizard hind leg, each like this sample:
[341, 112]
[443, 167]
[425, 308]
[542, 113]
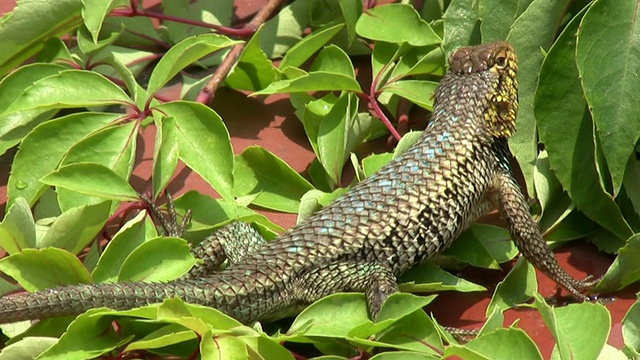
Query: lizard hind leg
[374, 279]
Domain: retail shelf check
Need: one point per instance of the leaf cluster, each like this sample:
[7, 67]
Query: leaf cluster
[75, 111]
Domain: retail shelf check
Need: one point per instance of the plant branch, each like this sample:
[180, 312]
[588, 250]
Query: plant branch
[207, 93]
[135, 11]
[376, 106]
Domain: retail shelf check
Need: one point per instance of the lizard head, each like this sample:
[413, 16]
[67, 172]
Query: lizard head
[497, 60]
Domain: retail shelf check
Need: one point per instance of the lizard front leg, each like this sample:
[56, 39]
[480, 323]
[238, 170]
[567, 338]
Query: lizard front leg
[231, 242]
[374, 279]
[528, 238]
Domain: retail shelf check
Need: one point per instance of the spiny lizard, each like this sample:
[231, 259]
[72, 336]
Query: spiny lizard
[410, 210]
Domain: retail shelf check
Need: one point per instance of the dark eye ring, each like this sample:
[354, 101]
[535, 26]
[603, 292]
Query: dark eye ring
[501, 62]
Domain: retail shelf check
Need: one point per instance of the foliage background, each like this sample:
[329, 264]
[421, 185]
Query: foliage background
[585, 114]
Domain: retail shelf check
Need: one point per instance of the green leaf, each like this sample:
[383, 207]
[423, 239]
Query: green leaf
[131, 235]
[15, 126]
[430, 278]
[29, 165]
[567, 132]
[204, 143]
[267, 347]
[461, 25]
[88, 46]
[332, 136]
[62, 268]
[312, 114]
[54, 50]
[253, 70]
[574, 226]
[518, 286]
[275, 183]
[69, 89]
[418, 61]
[305, 48]
[89, 336]
[157, 260]
[374, 162]
[501, 344]
[468, 249]
[382, 60]
[624, 270]
[496, 240]
[404, 355]
[111, 147]
[27, 348]
[285, 29]
[419, 92]
[555, 203]
[346, 312]
[610, 27]
[493, 322]
[95, 11]
[314, 200]
[418, 327]
[24, 37]
[91, 179]
[123, 63]
[534, 29]
[333, 60]
[165, 155]
[211, 12]
[223, 347]
[351, 11]
[631, 329]
[399, 305]
[497, 17]
[76, 227]
[184, 54]
[405, 309]
[380, 23]
[165, 336]
[175, 309]
[315, 81]
[17, 230]
[568, 323]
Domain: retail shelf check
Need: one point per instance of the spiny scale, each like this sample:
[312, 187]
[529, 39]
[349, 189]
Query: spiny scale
[408, 211]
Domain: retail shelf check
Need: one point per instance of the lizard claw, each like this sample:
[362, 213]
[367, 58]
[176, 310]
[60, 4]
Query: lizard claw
[169, 223]
[577, 287]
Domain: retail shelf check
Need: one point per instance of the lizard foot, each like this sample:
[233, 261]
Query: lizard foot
[170, 222]
[577, 287]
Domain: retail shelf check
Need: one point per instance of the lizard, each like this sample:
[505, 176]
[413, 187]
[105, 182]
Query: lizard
[402, 215]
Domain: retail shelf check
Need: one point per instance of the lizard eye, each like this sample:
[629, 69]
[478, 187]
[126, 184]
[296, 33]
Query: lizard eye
[501, 62]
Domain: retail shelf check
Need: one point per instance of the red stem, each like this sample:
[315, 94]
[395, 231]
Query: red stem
[376, 107]
[207, 93]
[135, 11]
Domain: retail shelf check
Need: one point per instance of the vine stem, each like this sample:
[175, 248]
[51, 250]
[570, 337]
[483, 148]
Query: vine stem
[376, 106]
[207, 93]
[134, 10]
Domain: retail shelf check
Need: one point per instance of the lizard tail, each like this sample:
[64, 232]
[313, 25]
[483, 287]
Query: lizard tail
[76, 299]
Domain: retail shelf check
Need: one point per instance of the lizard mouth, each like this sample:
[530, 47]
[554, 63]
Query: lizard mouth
[500, 61]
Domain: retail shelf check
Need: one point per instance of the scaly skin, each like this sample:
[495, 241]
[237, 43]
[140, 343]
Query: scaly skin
[410, 210]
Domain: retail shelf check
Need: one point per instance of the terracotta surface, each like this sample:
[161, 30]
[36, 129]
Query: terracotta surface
[270, 123]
